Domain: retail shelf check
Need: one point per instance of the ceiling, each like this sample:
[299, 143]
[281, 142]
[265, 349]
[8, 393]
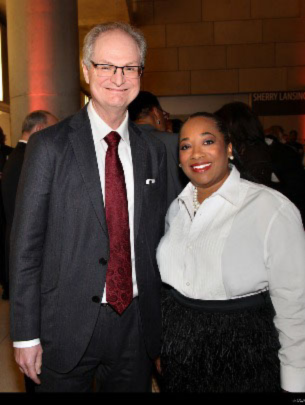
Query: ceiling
[90, 13]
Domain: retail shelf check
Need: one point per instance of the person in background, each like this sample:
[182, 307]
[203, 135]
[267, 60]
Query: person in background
[295, 145]
[146, 112]
[287, 167]
[5, 151]
[248, 141]
[233, 263]
[173, 125]
[33, 122]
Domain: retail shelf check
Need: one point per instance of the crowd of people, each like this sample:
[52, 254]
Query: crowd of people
[137, 242]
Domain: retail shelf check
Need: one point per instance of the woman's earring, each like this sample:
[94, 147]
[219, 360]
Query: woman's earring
[180, 165]
[231, 157]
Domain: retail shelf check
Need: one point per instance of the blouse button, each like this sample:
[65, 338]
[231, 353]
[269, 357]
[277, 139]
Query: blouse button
[188, 284]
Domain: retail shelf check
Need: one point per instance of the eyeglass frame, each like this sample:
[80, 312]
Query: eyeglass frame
[140, 68]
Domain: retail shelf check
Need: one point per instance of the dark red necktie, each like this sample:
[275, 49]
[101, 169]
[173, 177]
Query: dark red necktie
[118, 278]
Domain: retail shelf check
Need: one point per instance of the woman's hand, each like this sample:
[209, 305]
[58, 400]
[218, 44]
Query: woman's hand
[158, 365]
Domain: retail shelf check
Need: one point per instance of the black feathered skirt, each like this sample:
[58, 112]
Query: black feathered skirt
[219, 346]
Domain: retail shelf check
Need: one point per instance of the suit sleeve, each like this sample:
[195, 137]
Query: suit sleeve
[27, 240]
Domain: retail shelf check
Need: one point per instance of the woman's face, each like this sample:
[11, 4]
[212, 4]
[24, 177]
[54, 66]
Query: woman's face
[204, 154]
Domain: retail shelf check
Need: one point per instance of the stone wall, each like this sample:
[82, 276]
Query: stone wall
[222, 46]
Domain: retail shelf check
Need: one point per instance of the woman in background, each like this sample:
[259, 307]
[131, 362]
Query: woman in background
[233, 262]
[253, 159]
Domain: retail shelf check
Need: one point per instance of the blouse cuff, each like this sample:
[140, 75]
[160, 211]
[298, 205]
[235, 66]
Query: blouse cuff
[292, 379]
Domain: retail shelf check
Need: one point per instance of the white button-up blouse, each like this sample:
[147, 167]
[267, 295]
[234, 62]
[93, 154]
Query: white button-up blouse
[245, 238]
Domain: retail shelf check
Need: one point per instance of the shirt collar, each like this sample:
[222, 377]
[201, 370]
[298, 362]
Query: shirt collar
[229, 190]
[100, 129]
[22, 141]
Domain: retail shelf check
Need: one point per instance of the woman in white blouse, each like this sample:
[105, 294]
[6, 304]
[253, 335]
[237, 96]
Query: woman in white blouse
[233, 263]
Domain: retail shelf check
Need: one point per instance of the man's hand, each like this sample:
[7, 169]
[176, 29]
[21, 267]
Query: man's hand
[29, 360]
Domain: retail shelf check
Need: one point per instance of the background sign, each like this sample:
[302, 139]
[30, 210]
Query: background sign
[279, 103]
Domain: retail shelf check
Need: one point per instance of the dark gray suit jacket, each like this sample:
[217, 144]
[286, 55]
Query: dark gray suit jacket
[176, 179]
[10, 180]
[59, 241]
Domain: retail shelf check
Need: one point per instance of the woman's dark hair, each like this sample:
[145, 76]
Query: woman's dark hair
[220, 123]
[244, 125]
[245, 131]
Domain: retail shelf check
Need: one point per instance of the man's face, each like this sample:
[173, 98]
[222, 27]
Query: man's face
[113, 93]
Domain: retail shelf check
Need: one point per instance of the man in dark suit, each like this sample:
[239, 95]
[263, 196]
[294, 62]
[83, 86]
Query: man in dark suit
[146, 111]
[33, 122]
[85, 288]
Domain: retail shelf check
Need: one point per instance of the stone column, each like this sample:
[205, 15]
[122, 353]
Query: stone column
[43, 55]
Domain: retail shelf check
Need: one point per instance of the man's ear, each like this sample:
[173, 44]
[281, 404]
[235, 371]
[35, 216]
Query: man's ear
[154, 113]
[39, 127]
[86, 72]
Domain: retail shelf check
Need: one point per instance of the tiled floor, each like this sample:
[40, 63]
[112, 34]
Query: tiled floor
[11, 379]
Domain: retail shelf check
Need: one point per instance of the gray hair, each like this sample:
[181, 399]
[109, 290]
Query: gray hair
[99, 29]
[34, 118]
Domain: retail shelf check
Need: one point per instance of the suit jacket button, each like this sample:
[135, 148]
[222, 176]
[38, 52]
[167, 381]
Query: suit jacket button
[103, 261]
[96, 299]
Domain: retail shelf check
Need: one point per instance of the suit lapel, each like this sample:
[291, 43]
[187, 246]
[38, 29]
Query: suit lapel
[139, 161]
[82, 143]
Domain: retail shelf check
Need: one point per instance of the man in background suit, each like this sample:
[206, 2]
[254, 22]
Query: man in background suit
[85, 287]
[145, 110]
[4, 154]
[33, 122]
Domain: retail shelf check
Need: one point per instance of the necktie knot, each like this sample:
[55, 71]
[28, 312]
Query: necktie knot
[112, 139]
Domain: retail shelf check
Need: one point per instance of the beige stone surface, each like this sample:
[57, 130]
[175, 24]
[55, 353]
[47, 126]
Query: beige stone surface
[99, 11]
[284, 30]
[43, 59]
[296, 78]
[238, 32]
[189, 34]
[275, 8]
[202, 57]
[11, 380]
[162, 59]
[176, 11]
[250, 55]
[167, 83]
[290, 54]
[303, 8]
[141, 12]
[265, 79]
[225, 10]
[214, 81]
[154, 35]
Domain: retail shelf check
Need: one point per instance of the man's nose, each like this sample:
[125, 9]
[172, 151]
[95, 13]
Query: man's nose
[118, 77]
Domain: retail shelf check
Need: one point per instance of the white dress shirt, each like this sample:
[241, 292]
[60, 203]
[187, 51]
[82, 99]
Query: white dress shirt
[99, 130]
[245, 238]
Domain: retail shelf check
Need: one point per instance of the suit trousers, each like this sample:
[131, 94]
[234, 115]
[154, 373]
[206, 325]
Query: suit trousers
[114, 361]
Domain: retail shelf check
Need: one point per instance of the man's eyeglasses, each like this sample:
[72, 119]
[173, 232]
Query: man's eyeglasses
[104, 70]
